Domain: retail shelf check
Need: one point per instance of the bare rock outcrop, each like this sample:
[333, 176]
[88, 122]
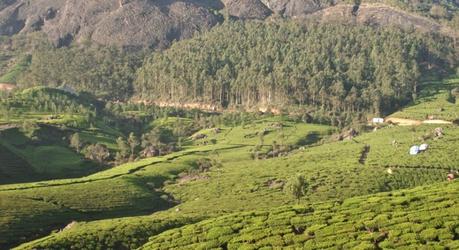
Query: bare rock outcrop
[375, 15]
[247, 9]
[130, 23]
[156, 23]
[295, 8]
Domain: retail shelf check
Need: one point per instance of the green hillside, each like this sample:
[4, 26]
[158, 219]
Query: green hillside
[235, 182]
[250, 134]
[47, 154]
[425, 217]
[15, 71]
[37, 126]
[46, 105]
[435, 101]
[13, 168]
[226, 163]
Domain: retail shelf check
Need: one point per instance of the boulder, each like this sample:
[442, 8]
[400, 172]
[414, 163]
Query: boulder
[247, 9]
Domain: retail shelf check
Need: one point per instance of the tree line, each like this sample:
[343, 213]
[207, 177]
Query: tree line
[106, 72]
[331, 67]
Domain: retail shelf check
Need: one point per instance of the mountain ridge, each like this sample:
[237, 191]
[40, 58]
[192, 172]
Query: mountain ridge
[156, 24]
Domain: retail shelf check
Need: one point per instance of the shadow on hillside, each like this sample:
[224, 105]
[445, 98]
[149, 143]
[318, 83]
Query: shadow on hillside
[39, 225]
[18, 165]
[311, 138]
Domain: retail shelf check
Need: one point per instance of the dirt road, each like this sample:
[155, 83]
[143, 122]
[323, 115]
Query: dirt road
[409, 122]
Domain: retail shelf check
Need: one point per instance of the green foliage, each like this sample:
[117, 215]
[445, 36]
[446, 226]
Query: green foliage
[13, 74]
[106, 72]
[133, 142]
[238, 183]
[29, 128]
[50, 105]
[97, 152]
[123, 149]
[258, 230]
[75, 142]
[232, 182]
[330, 67]
[296, 187]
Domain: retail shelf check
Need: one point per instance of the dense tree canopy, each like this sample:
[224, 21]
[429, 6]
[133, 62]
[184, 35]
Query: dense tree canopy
[332, 67]
[43, 99]
[104, 71]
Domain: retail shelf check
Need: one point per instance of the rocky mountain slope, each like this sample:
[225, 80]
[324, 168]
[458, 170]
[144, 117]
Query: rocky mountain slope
[377, 15]
[118, 22]
[142, 23]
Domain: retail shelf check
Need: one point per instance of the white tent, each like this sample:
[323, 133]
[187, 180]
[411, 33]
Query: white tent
[378, 120]
[423, 147]
[414, 150]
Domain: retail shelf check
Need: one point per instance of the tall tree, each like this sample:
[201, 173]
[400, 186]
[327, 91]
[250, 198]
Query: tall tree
[75, 142]
[123, 148]
[296, 187]
[133, 142]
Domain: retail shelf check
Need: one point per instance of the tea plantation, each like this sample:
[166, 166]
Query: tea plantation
[426, 217]
[435, 101]
[226, 185]
[237, 182]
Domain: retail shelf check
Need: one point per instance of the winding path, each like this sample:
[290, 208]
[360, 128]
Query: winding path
[410, 122]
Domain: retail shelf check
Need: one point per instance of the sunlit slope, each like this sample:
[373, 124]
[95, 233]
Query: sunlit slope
[130, 189]
[334, 170]
[434, 102]
[424, 217]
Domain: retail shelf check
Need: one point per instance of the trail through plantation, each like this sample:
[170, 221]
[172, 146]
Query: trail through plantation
[411, 122]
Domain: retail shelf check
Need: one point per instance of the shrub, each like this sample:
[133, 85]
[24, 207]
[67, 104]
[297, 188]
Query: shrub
[429, 234]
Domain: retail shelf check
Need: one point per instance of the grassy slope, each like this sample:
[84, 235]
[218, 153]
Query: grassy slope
[426, 216]
[46, 160]
[25, 102]
[433, 101]
[130, 186]
[13, 72]
[29, 210]
[49, 155]
[13, 168]
[332, 170]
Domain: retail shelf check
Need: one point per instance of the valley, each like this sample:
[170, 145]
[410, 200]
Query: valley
[255, 124]
[226, 169]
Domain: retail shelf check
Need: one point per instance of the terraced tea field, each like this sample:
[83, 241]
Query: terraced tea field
[427, 216]
[235, 183]
[433, 102]
[226, 187]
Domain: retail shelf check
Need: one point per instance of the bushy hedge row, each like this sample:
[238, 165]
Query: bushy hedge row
[425, 216]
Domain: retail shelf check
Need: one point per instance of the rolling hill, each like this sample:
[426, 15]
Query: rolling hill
[200, 124]
[235, 182]
[425, 216]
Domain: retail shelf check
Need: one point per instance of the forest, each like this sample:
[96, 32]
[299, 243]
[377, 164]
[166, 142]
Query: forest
[329, 67]
[265, 133]
[106, 72]
[337, 69]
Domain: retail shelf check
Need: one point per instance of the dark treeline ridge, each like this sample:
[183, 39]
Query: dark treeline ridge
[106, 72]
[332, 67]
